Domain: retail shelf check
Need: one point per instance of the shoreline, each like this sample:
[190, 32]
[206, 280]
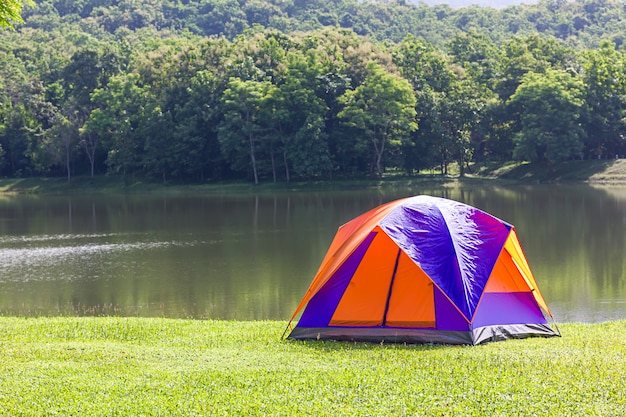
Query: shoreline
[600, 172]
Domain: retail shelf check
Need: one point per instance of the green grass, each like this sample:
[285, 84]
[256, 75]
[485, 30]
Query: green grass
[593, 171]
[163, 367]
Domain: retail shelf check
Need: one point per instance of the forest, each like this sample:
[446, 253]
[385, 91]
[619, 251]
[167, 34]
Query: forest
[285, 90]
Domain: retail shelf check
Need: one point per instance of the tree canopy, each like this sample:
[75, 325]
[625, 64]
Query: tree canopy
[269, 90]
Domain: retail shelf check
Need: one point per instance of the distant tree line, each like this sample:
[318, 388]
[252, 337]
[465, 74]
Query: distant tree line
[283, 90]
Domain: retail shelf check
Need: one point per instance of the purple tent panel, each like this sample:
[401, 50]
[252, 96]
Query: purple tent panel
[455, 244]
[447, 316]
[508, 308]
[321, 308]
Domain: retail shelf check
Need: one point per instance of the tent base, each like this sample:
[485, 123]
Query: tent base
[423, 336]
[512, 331]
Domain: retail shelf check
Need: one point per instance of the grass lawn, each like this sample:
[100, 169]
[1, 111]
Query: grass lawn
[162, 367]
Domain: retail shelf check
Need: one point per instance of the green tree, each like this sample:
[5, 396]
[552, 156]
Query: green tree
[520, 55]
[477, 54]
[266, 50]
[551, 116]
[181, 117]
[296, 120]
[605, 95]
[120, 118]
[242, 128]
[458, 116]
[530, 53]
[26, 118]
[11, 12]
[423, 65]
[222, 17]
[382, 110]
[428, 70]
[87, 70]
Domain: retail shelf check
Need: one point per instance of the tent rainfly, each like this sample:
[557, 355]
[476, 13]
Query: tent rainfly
[423, 270]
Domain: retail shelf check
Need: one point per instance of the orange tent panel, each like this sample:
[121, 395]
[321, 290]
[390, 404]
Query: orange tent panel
[412, 302]
[363, 303]
[513, 247]
[505, 276]
[348, 237]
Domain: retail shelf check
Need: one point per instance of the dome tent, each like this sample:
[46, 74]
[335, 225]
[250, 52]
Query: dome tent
[423, 270]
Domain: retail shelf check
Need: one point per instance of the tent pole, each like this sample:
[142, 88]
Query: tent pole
[393, 277]
[286, 328]
[557, 327]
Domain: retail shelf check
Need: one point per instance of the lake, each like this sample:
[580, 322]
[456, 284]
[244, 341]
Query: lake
[252, 257]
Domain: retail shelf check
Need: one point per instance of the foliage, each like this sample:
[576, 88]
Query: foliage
[131, 366]
[241, 129]
[277, 91]
[381, 111]
[605, 83]
[10, 12]
[551, 105]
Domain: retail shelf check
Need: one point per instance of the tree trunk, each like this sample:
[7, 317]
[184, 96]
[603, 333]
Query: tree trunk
[253, 159]
[90, 144]
[69, 175]
[67, 162]
[379, 156]
[286, 166]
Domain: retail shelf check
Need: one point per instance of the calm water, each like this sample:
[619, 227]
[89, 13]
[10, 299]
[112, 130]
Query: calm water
[252, 257]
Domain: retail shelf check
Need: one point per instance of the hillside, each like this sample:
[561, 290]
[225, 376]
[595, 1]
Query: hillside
[579, 23]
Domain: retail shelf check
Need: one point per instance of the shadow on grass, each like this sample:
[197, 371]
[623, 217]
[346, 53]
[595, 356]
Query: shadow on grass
[341, 346]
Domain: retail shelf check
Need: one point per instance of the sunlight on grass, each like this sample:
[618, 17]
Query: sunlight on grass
[131, 366]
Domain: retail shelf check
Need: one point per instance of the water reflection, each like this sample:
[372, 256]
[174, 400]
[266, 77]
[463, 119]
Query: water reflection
[253, 256]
